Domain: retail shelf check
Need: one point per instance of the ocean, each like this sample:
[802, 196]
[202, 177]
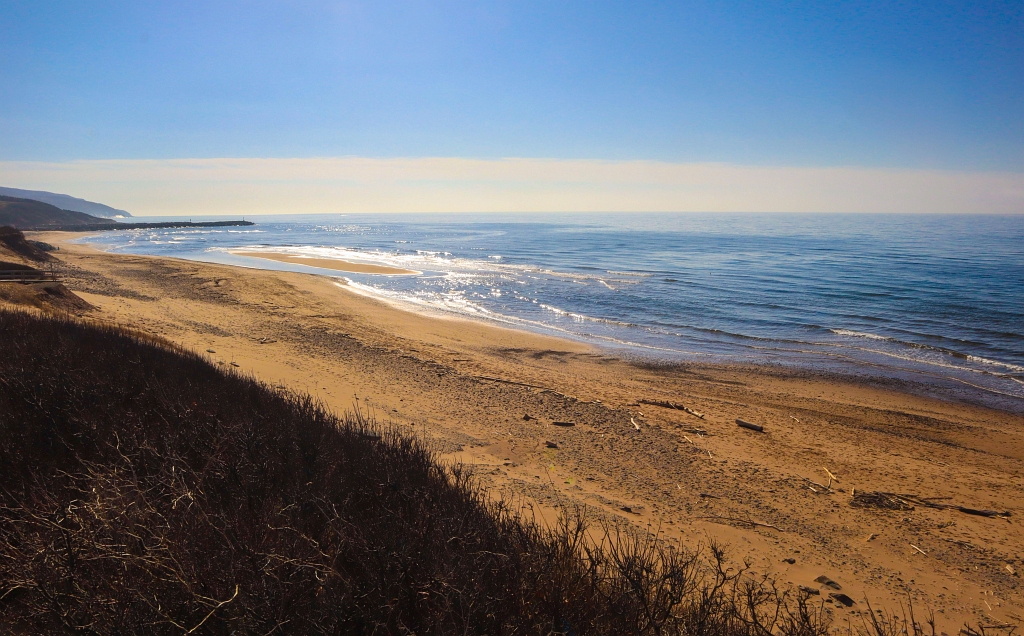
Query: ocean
[937, 301]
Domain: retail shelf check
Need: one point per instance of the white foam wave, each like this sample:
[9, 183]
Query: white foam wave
[933, 362]
[1005, 365]
[452, 302]
[437, 261]
[448, 304]
[860, 334]
[583, 317]
[945, 353]
[637, 274]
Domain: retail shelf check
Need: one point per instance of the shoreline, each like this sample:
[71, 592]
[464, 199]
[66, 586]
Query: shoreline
[815, 356]
[336, 264]
[428, 312]
[466, 387]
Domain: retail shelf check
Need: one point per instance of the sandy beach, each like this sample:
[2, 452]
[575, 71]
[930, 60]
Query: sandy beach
[553, 422]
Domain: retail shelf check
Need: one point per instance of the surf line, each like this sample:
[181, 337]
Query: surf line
[329, 263]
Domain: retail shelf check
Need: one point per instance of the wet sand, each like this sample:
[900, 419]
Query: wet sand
[489, 397]
[329, 263]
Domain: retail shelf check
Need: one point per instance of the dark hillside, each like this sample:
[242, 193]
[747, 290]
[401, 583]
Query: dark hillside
[13, 243]
[65, 202]
[29, 214]
[16, 267]
[144, 491]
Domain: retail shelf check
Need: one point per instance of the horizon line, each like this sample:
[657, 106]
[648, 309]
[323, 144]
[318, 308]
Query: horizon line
[402, 185]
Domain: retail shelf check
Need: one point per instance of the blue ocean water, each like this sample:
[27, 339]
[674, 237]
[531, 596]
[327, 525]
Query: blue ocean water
[934, 299]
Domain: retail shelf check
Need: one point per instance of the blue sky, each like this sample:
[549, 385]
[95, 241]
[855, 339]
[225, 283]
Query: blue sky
[929, 85]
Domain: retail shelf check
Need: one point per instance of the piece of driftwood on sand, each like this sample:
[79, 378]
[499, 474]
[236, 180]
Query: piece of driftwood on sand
[898, 501]
[665, 404]
[749, 425]
[542, 389]
[826, 488]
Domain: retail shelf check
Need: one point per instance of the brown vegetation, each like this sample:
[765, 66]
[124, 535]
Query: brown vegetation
[142, 490]
[47, 296]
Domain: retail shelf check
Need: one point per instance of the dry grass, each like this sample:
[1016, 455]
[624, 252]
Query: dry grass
[144, 491]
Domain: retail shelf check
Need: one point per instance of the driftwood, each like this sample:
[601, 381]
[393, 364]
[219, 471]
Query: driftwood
[883, 500]
[963, 544]
[968, 631]
[894, 501]
[672, 405]
[749, 522]
[542, 389]
[842, 598]
[564, 423]
[749, 425]
[826, 488]
[930, 502]
[827, 582]
[979, 513]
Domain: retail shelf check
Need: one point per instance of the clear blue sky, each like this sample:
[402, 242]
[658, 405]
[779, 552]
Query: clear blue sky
[896, 84]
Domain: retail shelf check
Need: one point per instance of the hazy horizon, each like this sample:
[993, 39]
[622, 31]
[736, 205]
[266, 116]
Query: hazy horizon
[361, 185]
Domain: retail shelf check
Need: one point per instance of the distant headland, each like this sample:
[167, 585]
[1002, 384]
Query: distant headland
[141, 226]
[66, 202]
[29, 214]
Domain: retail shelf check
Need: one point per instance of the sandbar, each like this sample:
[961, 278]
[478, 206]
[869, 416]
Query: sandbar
[329, 263]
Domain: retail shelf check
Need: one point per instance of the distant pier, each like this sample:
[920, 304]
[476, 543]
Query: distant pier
[136, 226]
